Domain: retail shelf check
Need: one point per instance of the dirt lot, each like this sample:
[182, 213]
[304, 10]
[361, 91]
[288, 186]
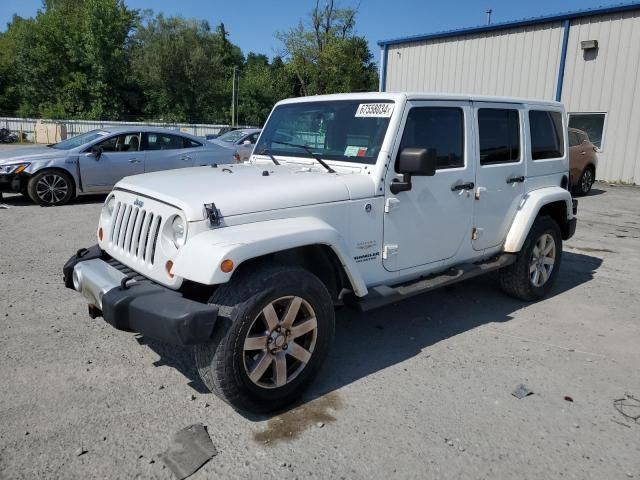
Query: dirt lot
[417, 390]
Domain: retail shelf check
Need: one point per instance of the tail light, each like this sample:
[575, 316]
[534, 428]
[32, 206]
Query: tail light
[236, 157]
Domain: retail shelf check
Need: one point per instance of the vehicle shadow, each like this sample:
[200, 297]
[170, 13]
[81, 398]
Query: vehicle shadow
[366, 343]
[18, 200]
[594, 192]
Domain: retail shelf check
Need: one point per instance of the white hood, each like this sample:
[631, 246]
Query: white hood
[240, 189]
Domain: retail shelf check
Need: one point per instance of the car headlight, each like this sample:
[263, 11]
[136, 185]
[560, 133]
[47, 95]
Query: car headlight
[13, 168]
[178, 231]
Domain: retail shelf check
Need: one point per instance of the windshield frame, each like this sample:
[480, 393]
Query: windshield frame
[73, 140]
[377, 136]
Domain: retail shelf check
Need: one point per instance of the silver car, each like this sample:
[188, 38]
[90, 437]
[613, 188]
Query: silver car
[231, 143]
[94, 161]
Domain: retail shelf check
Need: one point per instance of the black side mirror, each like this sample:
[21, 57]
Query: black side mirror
[96, 151]
[414, 161]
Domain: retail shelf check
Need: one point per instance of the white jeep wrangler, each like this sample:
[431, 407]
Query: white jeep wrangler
[363, 199]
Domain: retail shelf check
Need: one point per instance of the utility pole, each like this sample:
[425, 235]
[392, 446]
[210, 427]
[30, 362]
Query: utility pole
[489, 12]
[233, 98]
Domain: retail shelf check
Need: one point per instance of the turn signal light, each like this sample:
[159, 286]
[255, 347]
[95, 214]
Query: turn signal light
[169, 267]
[226, 266]
[100, 234]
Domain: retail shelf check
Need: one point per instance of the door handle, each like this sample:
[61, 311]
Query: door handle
[583, 153]
[519, 179]
[462, 186]
[134, 160]
[184, 158]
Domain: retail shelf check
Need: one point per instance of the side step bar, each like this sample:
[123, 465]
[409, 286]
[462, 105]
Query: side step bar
[384, 295]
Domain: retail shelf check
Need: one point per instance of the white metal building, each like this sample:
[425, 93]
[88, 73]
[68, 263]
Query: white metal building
[589, 60]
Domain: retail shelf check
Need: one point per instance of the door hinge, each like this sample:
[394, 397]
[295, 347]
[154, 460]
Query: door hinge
[389, 251]
[390, 204]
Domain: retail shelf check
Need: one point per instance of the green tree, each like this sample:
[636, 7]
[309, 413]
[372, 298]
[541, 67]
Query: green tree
[327, 56]
[261, 85]
[184, 69]
[72, 59]
[9, 92]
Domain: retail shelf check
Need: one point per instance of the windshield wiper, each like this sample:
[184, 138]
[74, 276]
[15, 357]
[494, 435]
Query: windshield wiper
[307, 149]
[264, 151]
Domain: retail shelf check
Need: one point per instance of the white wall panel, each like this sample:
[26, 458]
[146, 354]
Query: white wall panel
[519, 62]
[608, 81]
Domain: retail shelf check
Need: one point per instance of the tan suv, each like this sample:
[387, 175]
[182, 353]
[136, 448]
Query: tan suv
[582, 161]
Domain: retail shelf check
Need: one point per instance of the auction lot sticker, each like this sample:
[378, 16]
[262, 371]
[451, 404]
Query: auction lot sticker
[374, 110]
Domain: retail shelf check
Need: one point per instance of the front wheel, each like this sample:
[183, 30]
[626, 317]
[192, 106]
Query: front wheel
[51, 188]
[537, 264]
[280, 324]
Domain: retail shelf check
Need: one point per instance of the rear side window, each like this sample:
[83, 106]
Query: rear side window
[547, 140]
[440, 128]
[499, 131]
[574, 139]
[162, 141]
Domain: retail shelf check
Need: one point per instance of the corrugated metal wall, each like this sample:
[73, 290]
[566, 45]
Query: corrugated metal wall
[519, 62]
[608, 81]
[524, 62]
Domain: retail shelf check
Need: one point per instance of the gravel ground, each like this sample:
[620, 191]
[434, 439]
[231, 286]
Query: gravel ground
[416, 390]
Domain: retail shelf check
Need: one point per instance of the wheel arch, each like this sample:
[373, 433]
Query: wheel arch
[554, 202]
[59, 168]
[305, 241]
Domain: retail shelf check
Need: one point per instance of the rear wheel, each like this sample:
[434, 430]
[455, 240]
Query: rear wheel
[585, 182]
[51, 188]
[280, 323]
[536, 267]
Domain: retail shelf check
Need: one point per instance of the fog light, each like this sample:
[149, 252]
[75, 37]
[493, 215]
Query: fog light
[100, 234]
[226, 266]
[169, 267]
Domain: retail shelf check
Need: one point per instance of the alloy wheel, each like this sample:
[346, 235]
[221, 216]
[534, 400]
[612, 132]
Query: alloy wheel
[542, 260]
[52, 188]
[280, 342]
[587, 181]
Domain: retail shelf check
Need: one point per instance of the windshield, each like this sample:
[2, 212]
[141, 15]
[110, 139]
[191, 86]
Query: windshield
[344, 130]
[231, 137]
[79, 140]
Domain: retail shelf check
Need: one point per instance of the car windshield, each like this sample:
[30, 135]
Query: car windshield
[343, 130]
[231, 137]
[79, 140]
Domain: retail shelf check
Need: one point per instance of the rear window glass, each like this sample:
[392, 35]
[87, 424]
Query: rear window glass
[547, 140]
[499, 135]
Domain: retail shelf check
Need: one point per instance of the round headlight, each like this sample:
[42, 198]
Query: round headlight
[110, 205]
[179, 231]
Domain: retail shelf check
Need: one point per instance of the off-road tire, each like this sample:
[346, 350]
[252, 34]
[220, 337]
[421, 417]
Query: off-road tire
[62, 180]
[515, 279]
[220, 362]
[585, 182]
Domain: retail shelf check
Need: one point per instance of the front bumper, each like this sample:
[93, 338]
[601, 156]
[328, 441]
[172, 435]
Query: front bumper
[14, 183]
[135, 304]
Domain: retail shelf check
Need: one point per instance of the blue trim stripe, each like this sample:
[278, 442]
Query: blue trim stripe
[562, 17]
[383, 72]
[563, 59]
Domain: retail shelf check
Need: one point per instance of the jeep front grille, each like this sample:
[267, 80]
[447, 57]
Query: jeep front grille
[134, 232]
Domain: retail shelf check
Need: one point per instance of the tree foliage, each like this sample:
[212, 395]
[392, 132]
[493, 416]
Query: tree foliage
[99, 59]
[327, 56]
